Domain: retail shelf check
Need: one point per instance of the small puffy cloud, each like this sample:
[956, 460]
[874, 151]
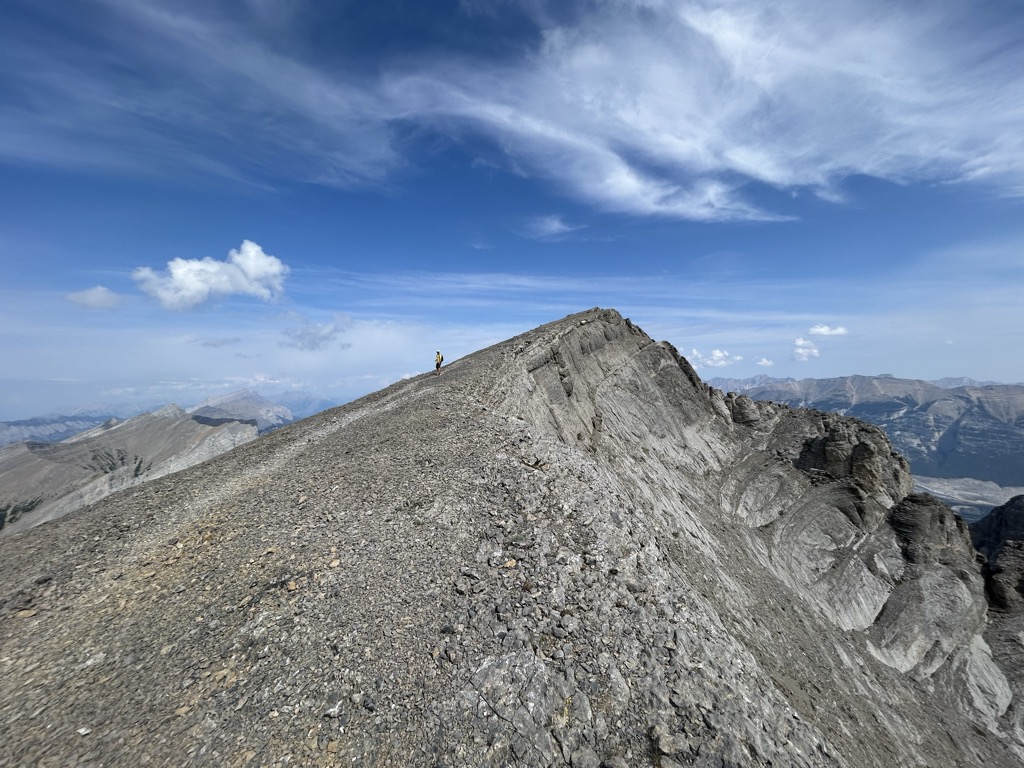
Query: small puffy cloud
[824, 330]
[314, 336]
[764, 362]
[548, 228]
[804, 350]
[717, 358]
[97, 297]
[247, 271]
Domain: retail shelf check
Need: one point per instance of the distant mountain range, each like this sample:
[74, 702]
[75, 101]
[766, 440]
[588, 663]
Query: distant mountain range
[49, 429]
[245, 405]
[742, 385]
[953, 428]
[44, 481]
[52, 466]
[269, 413]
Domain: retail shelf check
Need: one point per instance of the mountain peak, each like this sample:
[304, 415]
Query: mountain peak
[564, 550]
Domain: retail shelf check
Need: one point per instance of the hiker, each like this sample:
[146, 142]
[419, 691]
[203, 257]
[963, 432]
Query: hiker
[438, 359]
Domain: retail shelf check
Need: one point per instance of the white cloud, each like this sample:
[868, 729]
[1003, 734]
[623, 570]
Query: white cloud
[824, 330]
[717, 359]
[97, 297]
[764, 362]
[549, 228]
[792, 94]
[316, 336]
[804, 350]
[247, 271]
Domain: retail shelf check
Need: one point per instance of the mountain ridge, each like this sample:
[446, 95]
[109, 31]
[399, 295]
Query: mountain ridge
[40, 482]
[565, 550]
[732, 384]
[973, 432]
[270, 412]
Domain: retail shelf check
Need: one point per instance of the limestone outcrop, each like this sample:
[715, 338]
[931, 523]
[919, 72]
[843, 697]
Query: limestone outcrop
[999, 538]
[565, 550]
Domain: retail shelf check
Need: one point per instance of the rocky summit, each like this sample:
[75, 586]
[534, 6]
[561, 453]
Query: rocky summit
[566, 550]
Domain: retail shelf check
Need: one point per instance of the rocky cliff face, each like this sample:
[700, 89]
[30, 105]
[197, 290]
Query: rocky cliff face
[970, 431]
[1000, 540]
[566, 550]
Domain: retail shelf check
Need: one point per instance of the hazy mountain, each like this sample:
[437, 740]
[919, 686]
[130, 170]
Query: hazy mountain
[244, 405]
[961, 381]
[268, 412]
[43, 481]
[745, 385]
[971, 431]
[117, 410]
[565, 550]
[762, 380]
[301, 403]
[971, 499]
[49, 429]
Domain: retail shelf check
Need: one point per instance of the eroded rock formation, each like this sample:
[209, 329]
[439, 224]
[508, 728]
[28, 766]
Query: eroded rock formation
[999, 538]
[566, 550]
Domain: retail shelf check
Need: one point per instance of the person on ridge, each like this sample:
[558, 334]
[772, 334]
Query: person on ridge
[438, 359]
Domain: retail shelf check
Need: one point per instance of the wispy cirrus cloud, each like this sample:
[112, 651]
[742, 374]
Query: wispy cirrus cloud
[217, 343]
[202, 96]
[316, 336]
[718, 96]
[550, 227]
[97, 297]
[824, 330]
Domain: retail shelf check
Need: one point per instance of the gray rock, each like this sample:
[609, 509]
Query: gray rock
[1000, 540]
[1004, 524]
[380, 584]
[966, 431]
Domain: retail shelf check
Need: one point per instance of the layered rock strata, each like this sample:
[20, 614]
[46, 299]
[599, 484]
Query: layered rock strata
[566, 550]
[1000, 539]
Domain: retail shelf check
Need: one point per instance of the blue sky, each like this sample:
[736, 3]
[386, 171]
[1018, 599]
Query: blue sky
[284, 194]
